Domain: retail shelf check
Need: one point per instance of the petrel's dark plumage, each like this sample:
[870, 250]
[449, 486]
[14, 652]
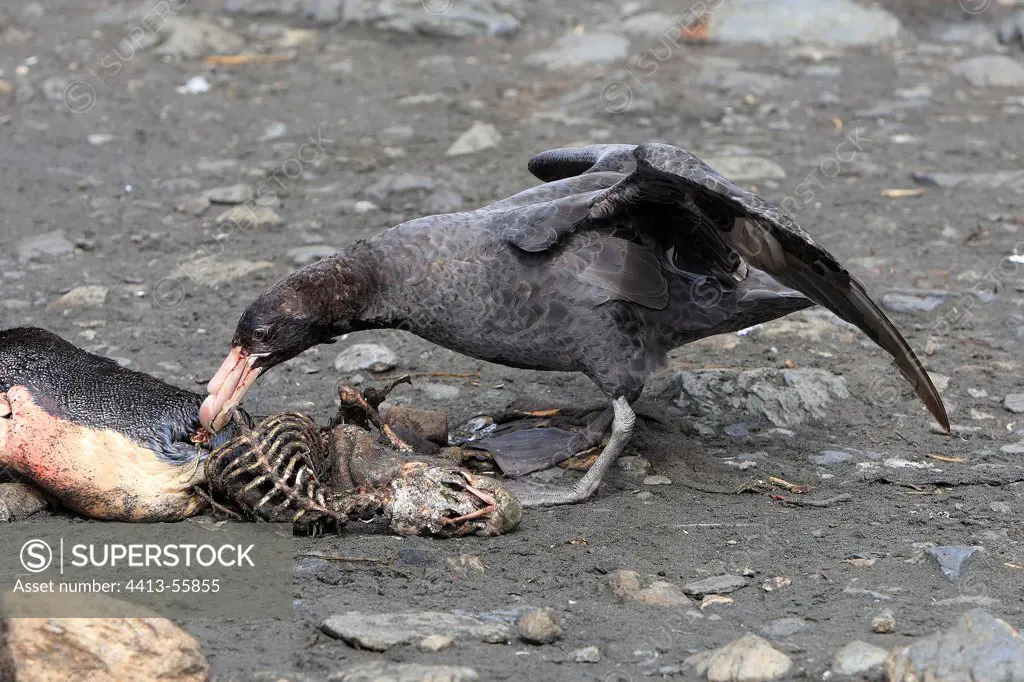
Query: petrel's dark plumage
[625, 253]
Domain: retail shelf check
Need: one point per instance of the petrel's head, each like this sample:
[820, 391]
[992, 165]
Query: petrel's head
[309, 307]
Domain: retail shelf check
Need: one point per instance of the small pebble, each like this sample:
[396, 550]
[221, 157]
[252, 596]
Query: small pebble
[633, 465]
[588, 654]
[831, 457]
[776, 583]
[395, 134]
[232, 194]
[435, 642]
[884, 623]
[540, 626]
[245, 217]
[479, 136]
[304, 255]
[657, 480]
[715, 600]
[438, 391]
[1014, 403]
[81, 297]
[911, 303]
[274, 131]
[194, 86]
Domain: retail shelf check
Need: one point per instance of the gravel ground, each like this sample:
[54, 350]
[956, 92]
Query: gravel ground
[888, 154]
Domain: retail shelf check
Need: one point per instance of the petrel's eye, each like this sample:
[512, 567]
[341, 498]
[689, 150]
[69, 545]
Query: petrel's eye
[261, 334]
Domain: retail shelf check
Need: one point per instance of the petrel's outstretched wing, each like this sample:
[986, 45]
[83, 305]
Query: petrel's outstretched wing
[729, 229]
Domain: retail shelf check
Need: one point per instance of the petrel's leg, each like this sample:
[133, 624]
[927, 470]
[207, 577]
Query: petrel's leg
[531, 495]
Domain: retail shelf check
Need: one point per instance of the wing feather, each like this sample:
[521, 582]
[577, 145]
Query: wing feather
[729, 226]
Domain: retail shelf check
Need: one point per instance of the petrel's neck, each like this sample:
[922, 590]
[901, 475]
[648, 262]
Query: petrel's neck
[359, 288]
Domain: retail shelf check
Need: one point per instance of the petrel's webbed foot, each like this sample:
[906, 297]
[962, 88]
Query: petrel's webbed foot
[361, 409]
[522, 451]
[532, 495]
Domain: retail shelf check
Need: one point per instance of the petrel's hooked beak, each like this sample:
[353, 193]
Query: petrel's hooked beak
[228, 386]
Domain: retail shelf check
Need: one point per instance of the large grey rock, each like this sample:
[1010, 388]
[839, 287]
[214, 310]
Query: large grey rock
[629, 586]
[952, 560]
[372, 356]
[95, 648]
[718, 584]
[381, 631]
[478, 137]
[747, 659]
[925, 302]
[21, 500]
[859, 659]
[48, 245]
[1014, 402]
[991, 71]
[1013, 448]
[831, 458]
[781, 628]
[1013, 179]
[785, 21]
[576, 50]
[193, 38]
[978, 647]
[382, 671]
[784, 397]
[445, 18]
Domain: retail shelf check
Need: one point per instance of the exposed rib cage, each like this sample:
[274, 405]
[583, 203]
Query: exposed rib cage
[274, 471]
